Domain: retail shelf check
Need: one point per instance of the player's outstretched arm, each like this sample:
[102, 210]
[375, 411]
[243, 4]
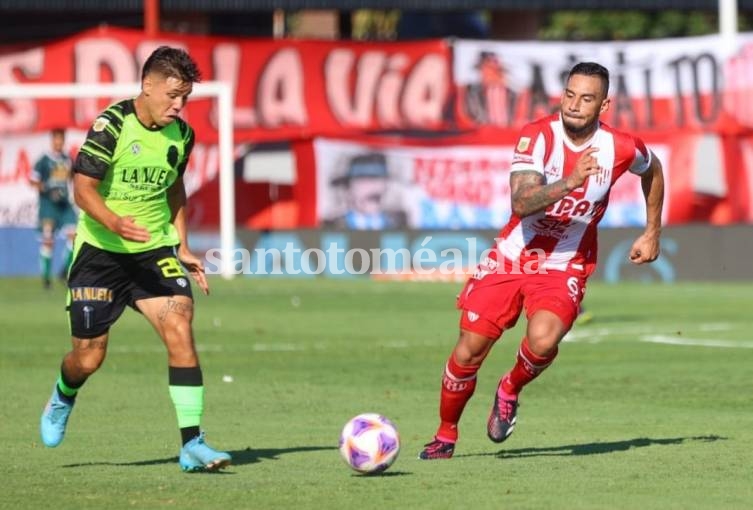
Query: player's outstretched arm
[530, 193]
[176, 197]
[86, 194]
[646, 248]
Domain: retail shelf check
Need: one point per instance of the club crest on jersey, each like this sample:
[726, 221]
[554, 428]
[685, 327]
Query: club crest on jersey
[135, 149]
[523, 144]
[604, 176]
[172, 156]
[100, 124]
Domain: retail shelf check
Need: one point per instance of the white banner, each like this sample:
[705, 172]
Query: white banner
[659, 83]
[659, 61]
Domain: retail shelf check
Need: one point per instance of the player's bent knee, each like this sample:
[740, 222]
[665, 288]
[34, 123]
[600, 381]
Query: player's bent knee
[178, 333]
[178, 339]
[89, 361]
[542, 346]
[543, 333]
[471, 348]
[89, 365]
[89, 353]
[463, 356]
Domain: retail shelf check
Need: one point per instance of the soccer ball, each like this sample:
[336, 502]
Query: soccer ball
[369, 443]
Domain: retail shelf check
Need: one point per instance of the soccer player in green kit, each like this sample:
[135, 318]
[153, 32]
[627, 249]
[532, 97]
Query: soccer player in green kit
[131, 247]
[51, 176]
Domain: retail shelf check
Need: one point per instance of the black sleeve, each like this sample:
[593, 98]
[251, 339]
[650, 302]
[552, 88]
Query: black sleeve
[189, 141]
[95, 156]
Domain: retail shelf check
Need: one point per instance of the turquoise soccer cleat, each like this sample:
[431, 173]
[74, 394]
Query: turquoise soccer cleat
[196, 455]
[54, 419]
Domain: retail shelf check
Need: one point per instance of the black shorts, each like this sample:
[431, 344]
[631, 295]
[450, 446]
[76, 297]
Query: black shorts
[101, 283]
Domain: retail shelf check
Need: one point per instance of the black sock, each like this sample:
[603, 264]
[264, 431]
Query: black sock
[65, 398]
[69, 385]
[188, 433]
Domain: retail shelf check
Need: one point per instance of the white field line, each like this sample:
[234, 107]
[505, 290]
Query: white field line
[277, 347]
[646, 333]
[716, 326]
[698, 342]
[595, 335]
[129, 349]
[254, 347]
[583, 334]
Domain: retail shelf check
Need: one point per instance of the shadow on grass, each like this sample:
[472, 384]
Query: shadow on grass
[251, 455]
[594, 448]
[383, 474]
[240, 457]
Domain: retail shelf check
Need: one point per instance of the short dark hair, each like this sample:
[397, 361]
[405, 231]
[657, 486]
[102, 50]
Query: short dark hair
[592, 69]
[172, 62]
[57, 131]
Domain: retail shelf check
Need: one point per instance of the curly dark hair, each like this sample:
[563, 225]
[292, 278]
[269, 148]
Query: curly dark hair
[172, 62]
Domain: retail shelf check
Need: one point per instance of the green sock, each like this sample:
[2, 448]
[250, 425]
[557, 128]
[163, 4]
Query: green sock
[46, 262]
[65, 389]
[189, 404]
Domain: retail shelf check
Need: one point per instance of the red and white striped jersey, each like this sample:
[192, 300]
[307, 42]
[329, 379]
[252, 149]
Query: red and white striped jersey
[566, 231]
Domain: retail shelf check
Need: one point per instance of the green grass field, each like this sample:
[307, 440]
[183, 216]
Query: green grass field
[647, 407]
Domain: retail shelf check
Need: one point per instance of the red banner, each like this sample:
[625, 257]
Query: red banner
[283, 89]
[684, 96]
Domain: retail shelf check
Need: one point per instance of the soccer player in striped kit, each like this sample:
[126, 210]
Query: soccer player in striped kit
[563, 168]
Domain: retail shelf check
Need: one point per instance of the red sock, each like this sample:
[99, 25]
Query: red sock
[458, 384]
[527, 368]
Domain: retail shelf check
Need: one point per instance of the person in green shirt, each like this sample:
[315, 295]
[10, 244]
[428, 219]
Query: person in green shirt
[131, 247]
[52, 177]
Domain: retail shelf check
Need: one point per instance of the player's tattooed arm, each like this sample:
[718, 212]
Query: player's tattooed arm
[530, 193]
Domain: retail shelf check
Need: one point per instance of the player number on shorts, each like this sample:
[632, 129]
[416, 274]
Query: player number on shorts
[171, 268]
[573, 288]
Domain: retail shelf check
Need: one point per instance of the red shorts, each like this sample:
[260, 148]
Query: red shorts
[493, 303]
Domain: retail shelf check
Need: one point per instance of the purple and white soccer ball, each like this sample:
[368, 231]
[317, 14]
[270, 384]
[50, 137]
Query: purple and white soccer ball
[369, 443]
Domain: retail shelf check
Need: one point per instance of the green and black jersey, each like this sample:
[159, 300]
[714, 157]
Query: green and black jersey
[53, 171]
[136, 165]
